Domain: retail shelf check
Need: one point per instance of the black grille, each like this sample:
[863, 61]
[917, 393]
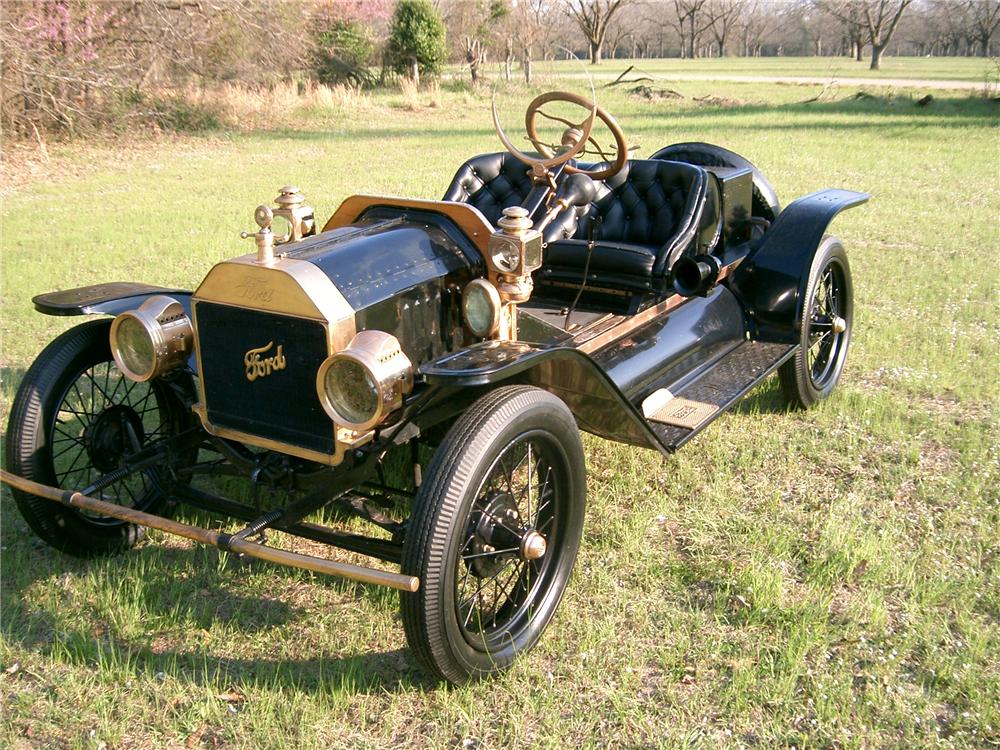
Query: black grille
[279, 404]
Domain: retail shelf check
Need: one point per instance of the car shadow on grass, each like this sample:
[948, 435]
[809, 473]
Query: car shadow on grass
[187, 605]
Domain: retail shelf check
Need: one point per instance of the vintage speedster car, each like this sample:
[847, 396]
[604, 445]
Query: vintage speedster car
[426, 366]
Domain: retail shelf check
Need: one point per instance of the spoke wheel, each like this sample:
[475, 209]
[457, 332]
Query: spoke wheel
[495, 534]
[76, 418]
[824, 328]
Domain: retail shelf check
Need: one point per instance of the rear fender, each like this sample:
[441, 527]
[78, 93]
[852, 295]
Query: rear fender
[772, 281]
[105, 299]
[596, 402]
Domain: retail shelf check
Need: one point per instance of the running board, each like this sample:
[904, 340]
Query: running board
[678, 417]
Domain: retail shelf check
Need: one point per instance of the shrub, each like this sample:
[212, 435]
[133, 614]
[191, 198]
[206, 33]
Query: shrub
[416, 39]
[342, 54]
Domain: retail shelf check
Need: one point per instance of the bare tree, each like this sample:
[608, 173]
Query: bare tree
[882, 17]
[751, 25]
[689, 24]
[850, 13]
[722, 17]
[593, 18]
[984, 18]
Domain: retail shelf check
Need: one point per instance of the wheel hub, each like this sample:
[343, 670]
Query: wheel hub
[498, 528]
[107, 437]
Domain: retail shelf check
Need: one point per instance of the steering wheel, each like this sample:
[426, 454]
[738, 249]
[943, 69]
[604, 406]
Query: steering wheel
[575, 139]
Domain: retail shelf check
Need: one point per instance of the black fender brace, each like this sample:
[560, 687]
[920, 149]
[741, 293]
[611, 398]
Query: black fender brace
[771, 281]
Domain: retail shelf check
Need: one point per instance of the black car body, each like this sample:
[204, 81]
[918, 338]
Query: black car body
[425, 365]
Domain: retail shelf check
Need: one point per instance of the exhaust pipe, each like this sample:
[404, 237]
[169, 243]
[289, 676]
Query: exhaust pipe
[694, 276]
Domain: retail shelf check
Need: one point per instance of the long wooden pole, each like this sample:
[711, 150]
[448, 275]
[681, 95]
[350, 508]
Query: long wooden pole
[214, 538]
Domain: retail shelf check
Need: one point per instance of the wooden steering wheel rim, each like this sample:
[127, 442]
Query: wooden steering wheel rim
[621, 145]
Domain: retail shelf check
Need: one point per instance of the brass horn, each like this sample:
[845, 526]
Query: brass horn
[553, 161]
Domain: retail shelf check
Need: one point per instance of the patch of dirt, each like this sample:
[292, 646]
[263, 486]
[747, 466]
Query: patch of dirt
[651, 94]
[936, 459]
[719, 101]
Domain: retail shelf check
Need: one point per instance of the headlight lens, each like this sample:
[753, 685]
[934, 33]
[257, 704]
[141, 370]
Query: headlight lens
[363, 384]
[133, 350]
[481, 308]
[352, 390]
[152, 339]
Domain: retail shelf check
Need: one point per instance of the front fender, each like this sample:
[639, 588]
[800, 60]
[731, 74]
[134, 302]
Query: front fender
[772, 281]
[596, 402]
[105, 299]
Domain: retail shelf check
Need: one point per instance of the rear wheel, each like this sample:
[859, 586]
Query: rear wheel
[76, 418]
[495, 533]
[824, 328]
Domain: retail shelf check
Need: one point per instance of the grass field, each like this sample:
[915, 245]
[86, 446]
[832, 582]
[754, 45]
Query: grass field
[827, 579]
[972, 69]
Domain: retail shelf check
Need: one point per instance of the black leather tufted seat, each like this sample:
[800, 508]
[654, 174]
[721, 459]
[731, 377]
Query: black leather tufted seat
[493, 182]
[650, 214]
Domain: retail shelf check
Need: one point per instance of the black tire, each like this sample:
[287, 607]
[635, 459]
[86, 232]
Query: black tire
[470, 486]
[67, 428]
[824, 328]
[765, 204]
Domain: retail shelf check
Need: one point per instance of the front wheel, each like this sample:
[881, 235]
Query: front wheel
[824, 328]
[495, 533]
[76, 418]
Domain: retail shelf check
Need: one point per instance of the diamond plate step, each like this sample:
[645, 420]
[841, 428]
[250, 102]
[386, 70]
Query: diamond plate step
[678, 417]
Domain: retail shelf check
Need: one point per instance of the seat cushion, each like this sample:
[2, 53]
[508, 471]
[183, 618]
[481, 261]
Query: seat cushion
[643, 219]
[493, 182]
[650, 203]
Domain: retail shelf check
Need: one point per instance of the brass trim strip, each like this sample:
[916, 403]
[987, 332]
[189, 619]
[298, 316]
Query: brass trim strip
[214, 538]
[640, 319]
[468, 218]
[288, 286]
[341, 442]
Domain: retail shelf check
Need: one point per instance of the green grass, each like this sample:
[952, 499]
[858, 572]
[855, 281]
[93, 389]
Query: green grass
[973, 69]
[826, 579]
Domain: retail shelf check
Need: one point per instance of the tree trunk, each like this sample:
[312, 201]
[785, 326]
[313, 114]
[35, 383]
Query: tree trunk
[858, 49]
[527, 69]
[877, 50]
[415, 71]
[595, 54]
[691, 39]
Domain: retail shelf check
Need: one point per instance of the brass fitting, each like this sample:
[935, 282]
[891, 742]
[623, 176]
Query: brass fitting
[265, 237]
[292, 208]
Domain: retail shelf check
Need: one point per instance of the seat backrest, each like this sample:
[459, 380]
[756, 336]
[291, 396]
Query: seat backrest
[493, 182]
[652, 203]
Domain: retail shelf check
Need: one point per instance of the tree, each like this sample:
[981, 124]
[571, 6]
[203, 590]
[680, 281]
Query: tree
[688, 26]
[984, 17]
[882, 17]
[850, 13]
[875, 19]
[342, 52]
[532, 20]
[593, 17]
[722, 17]
[416, 39]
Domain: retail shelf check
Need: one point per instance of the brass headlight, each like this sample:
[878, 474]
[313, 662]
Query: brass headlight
[152, 339]
[481, 308]
[364, 383]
